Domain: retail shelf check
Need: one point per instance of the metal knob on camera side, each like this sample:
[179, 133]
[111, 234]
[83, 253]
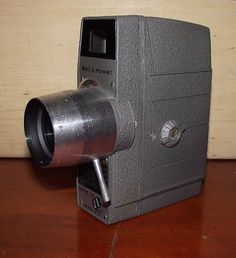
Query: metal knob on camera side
[78, 126]
[171, 134]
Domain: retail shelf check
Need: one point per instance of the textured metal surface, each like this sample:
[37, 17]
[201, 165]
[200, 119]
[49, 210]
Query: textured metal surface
[171, 86]
[178, 47]
[130, 78]
[126, 124]
[181, 172]
[168, 197]
[164, 72]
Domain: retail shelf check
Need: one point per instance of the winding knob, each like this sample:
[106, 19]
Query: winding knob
[170, 134]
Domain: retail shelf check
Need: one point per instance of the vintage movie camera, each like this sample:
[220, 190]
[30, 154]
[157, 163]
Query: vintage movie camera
[138, 122]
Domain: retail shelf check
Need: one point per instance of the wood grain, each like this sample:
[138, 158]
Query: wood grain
[38, 50]
[39, 218]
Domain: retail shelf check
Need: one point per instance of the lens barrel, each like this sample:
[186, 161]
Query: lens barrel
[76, 126]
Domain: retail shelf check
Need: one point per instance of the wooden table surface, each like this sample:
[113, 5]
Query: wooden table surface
[39, 218]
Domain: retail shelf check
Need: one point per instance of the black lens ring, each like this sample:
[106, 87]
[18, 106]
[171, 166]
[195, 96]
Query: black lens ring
[40, 149]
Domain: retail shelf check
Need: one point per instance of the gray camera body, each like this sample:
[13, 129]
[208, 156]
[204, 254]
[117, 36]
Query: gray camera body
[162, 68]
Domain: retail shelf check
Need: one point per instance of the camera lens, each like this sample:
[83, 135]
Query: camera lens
[71, 127]
[47, 132]
[39, 132]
